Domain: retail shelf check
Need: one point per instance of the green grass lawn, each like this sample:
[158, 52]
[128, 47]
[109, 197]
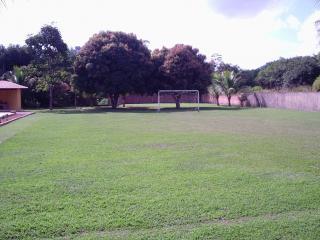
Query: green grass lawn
[137, 174]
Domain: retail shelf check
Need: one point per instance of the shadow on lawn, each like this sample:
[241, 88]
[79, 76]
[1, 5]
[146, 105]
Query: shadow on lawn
[136, 109]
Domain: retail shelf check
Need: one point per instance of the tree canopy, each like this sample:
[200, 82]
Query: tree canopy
[186, 68]
[49, 59]
[181, 68]
[114, 64]
[286, 73]
[228, 81]
[47, 44]
[13, 55]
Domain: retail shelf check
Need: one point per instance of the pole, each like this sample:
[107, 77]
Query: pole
[198, 100]
[50, 97]
[158, 101]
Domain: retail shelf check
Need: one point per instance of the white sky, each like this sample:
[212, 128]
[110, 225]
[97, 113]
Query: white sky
[246, 38]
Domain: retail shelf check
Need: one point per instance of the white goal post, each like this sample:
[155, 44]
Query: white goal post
[179, 91]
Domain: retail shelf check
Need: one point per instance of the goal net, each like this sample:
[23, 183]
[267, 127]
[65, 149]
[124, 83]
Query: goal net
[178, 96]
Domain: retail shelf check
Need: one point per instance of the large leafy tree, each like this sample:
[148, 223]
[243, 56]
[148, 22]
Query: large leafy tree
[113, 64]
[50, 55]
[183, 68]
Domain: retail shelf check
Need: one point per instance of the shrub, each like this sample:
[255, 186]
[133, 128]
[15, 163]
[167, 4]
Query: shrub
[257, 89]
[316, 85]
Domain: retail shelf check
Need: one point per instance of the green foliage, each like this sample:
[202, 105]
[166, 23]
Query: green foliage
[114, 64]
[219, 174]
[186, 68]
[228, 82]
[49, 67]
[247, 77]
[47, 45]
[316, 85]
[13, 55]
[289, 72]
[215, 87]
[257, 89]
[181, 67]
[36, 95]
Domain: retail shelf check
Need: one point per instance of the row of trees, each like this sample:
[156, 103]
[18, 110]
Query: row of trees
[113, 64]
[110, 64]
[298, 73]
[288, 73]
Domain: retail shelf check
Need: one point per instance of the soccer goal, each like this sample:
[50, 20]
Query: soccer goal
[195, 96]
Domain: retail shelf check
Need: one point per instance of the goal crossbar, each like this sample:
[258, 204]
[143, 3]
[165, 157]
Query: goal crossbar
[180, 91]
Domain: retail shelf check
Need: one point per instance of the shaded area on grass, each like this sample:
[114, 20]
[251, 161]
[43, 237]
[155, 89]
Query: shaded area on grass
[138, 109]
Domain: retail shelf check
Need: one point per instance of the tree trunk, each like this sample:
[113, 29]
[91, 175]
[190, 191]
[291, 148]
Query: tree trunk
[114, 100]
[177, 98]
[91, 101]
[50, 97]
[124, 101]
[217, 99]
[229, 101]
[75, 100]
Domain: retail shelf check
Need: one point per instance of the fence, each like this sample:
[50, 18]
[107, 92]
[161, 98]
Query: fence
[304, 101]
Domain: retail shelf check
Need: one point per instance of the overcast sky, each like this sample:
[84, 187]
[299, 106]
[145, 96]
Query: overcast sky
[248, 33]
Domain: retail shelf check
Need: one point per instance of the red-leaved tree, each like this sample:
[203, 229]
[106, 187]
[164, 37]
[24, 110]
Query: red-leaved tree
[181, 68]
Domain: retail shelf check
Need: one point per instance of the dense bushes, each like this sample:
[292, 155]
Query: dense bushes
[288, 73]
[316, 85]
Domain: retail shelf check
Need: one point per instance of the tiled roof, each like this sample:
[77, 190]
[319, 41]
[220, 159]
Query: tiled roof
[10, 85]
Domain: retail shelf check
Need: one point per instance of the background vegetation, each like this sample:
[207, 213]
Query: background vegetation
[114, 64]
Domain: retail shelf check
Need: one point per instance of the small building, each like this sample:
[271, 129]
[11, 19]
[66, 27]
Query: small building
[10, 96]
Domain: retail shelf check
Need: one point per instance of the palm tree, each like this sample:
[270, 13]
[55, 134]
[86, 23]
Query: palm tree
[228, 81]
[215, 88]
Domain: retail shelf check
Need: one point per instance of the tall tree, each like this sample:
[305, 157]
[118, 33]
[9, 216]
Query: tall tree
[184, 68]
[49, 55]
[113, 64]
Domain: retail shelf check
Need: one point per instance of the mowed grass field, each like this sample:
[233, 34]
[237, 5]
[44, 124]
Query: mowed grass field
[136, 174]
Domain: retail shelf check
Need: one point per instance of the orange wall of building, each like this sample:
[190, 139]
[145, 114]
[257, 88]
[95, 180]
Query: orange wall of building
[12, 97]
